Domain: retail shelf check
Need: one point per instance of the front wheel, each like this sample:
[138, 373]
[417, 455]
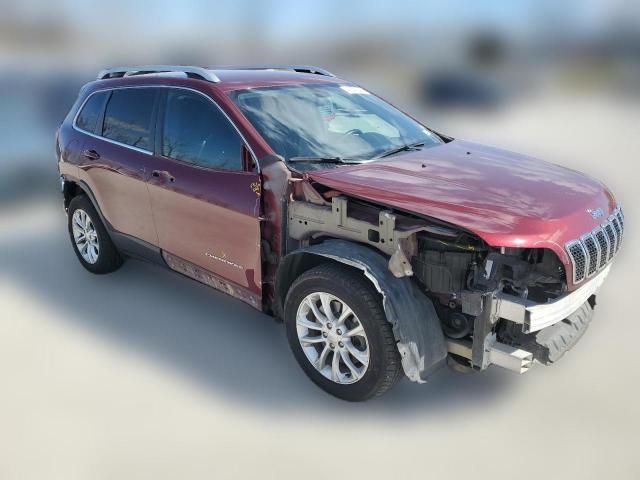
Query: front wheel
[339, 333]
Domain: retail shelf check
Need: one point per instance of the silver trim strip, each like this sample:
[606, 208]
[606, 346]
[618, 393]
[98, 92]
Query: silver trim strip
[115, 142]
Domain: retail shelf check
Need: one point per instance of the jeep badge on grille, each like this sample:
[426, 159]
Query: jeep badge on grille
[595, 213]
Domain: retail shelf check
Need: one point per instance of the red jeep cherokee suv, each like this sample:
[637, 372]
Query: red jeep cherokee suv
[386, 248]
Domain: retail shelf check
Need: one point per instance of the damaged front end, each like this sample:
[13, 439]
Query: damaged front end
[445, 290]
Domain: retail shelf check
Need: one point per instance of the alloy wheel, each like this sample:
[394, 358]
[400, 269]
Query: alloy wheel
[85, 236]
[332, 338]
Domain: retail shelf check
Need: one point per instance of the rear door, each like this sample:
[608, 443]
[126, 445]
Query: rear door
[116, 154]
[206, 203]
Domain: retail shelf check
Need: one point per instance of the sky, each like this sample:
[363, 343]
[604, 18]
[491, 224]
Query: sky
[287, 19]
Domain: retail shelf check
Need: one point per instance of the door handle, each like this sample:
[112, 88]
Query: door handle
[91, 154]
[163, 173]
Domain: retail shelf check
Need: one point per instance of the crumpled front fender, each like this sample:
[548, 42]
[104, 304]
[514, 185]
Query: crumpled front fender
[416, 326]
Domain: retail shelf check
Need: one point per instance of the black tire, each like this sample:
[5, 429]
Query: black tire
[351, 287]
[108, 259]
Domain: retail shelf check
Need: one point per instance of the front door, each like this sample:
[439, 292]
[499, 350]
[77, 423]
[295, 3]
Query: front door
[205, 205]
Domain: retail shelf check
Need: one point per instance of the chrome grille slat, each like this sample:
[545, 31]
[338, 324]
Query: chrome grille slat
[618, 231]
[621, 218]
[608, 229]
[603, 243]
[578, 256]
[594, 250]
[593, 253]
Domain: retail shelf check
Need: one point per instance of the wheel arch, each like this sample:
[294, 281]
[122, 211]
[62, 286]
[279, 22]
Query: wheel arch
[126, 244]
[291, 267]
[72, 188]
[416, 326]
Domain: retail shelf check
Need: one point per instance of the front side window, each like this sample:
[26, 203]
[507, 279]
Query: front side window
[196, 131]
[329, 121]
[129, 115]
[88, 117]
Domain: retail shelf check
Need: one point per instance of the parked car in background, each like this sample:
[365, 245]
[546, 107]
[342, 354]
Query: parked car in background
[461, 89]
[386, 248]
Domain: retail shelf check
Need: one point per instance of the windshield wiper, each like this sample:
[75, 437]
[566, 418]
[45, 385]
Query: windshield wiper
[404, 148]
[325, 160]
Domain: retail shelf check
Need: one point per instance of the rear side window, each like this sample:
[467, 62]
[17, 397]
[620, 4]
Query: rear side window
[91, 111]
[197, 132]
[128, 117]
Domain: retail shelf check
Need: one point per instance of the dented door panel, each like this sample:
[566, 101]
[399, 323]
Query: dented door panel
[209, 218]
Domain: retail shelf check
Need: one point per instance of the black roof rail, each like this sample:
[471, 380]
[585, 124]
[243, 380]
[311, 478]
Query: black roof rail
[193, 72]
[292, 68]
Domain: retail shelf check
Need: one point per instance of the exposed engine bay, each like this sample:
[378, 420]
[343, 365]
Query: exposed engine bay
[451, 267]
[469, 282]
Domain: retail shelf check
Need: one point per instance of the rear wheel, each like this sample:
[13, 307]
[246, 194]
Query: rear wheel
[90, 238]
[339, 333]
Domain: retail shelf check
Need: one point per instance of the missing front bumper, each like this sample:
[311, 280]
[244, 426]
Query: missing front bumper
[536, 316]
[505, 356]
[501, 342]
[551, 343]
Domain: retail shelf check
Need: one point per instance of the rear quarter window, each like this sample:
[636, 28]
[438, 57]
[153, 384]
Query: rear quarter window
[128, 117]
[91, 111]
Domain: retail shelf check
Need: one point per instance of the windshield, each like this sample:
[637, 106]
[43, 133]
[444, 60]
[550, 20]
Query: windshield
[320, 121]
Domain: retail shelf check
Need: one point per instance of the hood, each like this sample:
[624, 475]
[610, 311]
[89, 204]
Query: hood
[505, 198]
